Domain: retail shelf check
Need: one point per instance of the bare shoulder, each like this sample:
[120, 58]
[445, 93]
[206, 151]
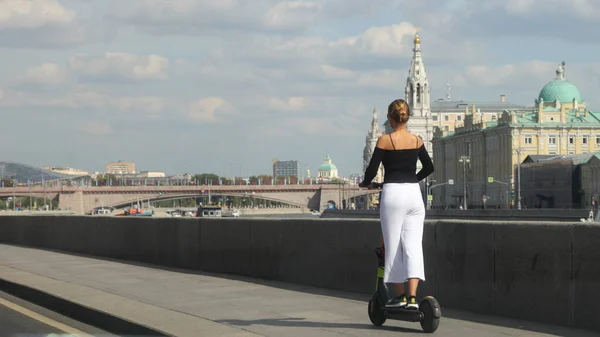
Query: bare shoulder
[419, 140]
[383, 141]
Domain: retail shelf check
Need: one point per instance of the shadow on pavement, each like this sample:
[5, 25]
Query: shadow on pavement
[301, 322]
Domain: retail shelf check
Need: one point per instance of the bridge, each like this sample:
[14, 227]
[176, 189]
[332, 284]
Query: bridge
[313, 277]
[83, 199]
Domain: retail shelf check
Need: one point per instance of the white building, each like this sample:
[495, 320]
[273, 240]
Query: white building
[370, 143]
[417, 95]
[328, 170]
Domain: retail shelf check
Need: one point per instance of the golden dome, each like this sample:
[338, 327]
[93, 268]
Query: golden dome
[417, 39]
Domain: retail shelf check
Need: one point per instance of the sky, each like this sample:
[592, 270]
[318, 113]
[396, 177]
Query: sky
[199, 86]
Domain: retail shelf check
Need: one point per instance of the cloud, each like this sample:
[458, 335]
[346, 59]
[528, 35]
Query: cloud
[206, 17]
[292, 15]
[524, 80]
[97, 128]
[45, 74]
[500, 76]
[513, 18]
[290, 104]
[120, 66]
[82, 99]
[45, 24]
[32, 14]
[273, 71]
[207, 110]
[376, 48]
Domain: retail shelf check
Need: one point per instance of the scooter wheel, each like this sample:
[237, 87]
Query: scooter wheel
[431, 314]
[376, 314]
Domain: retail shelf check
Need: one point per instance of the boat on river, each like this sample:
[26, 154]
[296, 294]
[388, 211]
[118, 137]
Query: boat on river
[136, 212]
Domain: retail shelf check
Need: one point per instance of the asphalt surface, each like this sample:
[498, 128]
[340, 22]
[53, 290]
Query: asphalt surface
[19, 318]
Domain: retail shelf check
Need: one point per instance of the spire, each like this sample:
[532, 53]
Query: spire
[374, 131]
[417, 86]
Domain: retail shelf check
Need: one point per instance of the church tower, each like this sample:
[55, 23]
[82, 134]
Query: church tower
[417, 95]
[370, 143]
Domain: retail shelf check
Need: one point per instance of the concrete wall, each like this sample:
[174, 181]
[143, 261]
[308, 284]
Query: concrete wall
[476, 214]
[547, 272]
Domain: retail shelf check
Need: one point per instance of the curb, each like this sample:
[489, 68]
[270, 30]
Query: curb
[78, 312]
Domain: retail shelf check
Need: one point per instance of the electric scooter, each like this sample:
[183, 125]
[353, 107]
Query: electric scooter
[428, 314]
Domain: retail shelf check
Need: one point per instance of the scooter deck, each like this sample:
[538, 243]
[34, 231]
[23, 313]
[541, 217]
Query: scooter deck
[404, 314]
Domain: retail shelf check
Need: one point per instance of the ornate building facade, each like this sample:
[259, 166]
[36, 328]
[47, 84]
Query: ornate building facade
[370, 143]
[483, 156]
[327, 170]
[443, 113]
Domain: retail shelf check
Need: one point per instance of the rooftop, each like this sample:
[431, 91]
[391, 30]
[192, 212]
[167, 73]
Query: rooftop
[577, 159]
[573, 118]
[442, 105]
[27, 173]
[559, 89]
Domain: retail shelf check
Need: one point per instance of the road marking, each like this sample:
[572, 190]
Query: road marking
[43, 319]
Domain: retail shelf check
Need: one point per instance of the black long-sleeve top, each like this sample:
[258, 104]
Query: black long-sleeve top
[400, 165]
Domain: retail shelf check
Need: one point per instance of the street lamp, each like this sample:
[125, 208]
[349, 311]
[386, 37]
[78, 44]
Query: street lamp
[519, 151]
[464, 160]
[431, 187]
[428, 192]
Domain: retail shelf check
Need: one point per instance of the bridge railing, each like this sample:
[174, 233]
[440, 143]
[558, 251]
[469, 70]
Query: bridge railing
[151, 189]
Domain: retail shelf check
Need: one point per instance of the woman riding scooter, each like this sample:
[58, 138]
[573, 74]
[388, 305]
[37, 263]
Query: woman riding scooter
[402, 211]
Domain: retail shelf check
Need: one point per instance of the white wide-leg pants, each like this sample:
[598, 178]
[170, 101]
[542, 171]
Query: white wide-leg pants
[402, 214]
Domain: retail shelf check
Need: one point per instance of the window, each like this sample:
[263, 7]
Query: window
[597, 140]
[446, 117]
[552, 140]
[551, 152]
[459, 117]
[571, 152]
[584, 140]
[435, 118]
[446, 127]
[571, 139]
[494, 117]
[528, 140]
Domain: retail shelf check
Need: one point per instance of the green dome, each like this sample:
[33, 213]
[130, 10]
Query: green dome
[561, 90]
[327, 167]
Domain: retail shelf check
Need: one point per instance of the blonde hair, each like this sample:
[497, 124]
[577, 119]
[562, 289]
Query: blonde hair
[399, 111]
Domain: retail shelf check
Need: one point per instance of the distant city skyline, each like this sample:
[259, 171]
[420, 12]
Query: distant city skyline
[194, 86]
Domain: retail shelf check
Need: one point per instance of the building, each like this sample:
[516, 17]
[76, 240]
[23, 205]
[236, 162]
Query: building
[66, 170]
[120, 167]
[18, 174]
[327, 170]
[370, 143]
[559, 181]
[417, 95]
[151, 174]
[482, 156]
[590, 178]
[288, 168]
[444, 113]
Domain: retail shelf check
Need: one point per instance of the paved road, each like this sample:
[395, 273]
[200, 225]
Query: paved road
[183, 303]
[19, 319]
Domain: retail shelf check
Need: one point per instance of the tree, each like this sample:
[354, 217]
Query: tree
[205, 178]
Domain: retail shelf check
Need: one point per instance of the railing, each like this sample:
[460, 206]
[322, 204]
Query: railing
[171, 189]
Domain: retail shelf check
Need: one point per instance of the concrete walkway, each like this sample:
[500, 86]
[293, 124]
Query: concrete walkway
[184, 303]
